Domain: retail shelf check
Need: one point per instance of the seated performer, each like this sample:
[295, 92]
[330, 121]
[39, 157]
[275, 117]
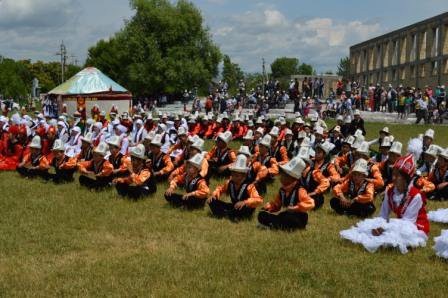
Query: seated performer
[96, 173]
[196, 188]
[439, 176]
[264, 158]
[159, 162]
[86, 153]
[195, 148]
[355, 196]
[221, 156]
[62, 167]
[404, 199]
[119, 161]
[257, 172]
[34, 164]
[312, 180]
[243, 195]
[386, 166]
[139, 182]
[292, 200]
[276, 149]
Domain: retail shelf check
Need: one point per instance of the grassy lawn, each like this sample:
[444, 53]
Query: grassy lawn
[67, 241]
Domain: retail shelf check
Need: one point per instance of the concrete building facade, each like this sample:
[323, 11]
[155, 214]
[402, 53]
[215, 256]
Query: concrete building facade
[414, 56]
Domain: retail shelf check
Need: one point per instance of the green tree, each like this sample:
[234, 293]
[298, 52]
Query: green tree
[164, 48]
[284, 67]
[305, 69]
[344, 68]
[231, 72]
[15, 79]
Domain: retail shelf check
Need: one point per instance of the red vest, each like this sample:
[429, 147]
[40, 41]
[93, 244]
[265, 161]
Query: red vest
[422, 218]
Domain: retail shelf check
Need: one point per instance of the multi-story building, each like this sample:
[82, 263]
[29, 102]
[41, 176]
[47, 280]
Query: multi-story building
[414, 56]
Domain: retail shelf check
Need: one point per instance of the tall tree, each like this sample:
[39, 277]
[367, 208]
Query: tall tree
[305, 69]
[164, 48]
[231, 72]
[344, 68]
[15, 79]
[284, 66]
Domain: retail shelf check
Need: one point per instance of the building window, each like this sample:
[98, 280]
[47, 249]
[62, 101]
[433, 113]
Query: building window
[423, 46]
[413, 55]
[378, 56]
[386, 55]
[422, 70]
[403, 50]
[445, 66]
[412, 71]
[434, 68]
[395, 53]
[394, 75]
[445, 40]
[402, 73]
[435, 42]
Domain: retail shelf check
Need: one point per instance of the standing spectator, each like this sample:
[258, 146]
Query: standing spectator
[421, 109]
[321, 88]
[391, 99]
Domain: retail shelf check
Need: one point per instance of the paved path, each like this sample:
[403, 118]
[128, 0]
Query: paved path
[288, 112]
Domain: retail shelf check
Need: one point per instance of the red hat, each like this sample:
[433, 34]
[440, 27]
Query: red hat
[40, 131]
[22, 130]
[14, 129]
[51, 130]
[406, 164]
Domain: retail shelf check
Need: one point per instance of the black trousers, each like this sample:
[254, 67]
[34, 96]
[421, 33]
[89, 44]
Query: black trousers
[356, 209]
[161, 178]
[97, 184]
[284, 220]
[30, 173]
[439, 194]
[191, 203]
[318, 201]
[61, 176]
[224, 209]
[135, 192]
[213, 171]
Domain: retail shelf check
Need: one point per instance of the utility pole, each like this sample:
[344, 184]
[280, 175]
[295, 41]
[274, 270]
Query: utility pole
[63, 53]
[264, 74]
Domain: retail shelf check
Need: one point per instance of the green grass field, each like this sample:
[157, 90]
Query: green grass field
[67, 241]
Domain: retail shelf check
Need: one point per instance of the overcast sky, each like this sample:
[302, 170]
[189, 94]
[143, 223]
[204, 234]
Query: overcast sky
[317, 32]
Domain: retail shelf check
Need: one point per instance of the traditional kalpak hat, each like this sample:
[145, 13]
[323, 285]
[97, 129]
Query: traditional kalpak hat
[114, 141]
[196, 161]
[361, 166]
[101, 149]
[138, 151]
[36, 143]
[396, 148]
[240, 165]
[249, 135]
[226, 137]
[244, 150]
[294, 167]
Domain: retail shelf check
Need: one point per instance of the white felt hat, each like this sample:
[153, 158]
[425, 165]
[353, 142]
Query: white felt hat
[240, 165]
[294, 167]
[361, 166]
[245, 150]
[114, 141]
[138, 151]
[197, 160]
[36, 143]
[101, 149]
